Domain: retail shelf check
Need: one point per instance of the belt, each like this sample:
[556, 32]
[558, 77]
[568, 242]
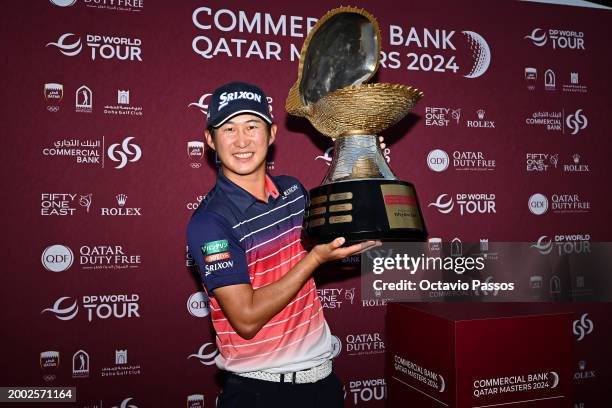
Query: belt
[311, 375]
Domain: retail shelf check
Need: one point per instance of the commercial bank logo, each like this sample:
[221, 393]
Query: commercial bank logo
[124, 152]
[206, 354]
[554, 120]
[582, 327]
[442, 41]
[105, 47]
[559, 39]
[576, 122]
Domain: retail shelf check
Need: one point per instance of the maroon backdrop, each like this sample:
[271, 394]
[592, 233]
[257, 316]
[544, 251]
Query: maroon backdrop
[102, 100]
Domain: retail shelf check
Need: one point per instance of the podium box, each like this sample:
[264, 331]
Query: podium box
[477, 355]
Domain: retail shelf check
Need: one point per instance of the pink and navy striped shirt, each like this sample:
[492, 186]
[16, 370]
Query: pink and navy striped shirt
[236, 238]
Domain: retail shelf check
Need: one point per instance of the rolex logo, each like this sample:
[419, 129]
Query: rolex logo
[576, 158]
[121, 199]
[480, 113]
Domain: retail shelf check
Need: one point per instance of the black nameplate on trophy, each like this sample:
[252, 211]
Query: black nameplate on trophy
[359, 210]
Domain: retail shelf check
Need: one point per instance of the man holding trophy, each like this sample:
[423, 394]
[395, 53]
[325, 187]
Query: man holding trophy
[246, 236]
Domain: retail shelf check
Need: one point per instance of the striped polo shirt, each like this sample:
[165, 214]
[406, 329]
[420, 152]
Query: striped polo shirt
[235, 239]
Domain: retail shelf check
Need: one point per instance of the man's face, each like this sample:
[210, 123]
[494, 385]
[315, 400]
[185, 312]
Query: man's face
[241, 144]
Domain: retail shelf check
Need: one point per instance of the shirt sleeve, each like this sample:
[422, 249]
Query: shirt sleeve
[220, 256]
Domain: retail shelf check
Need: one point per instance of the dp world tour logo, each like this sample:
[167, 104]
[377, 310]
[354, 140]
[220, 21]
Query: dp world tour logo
[538, 36]
[583, 327]
[127, 149]
[559, 38]
[576, 122]
[66, 312]
[202, 104]
[206, 359]
[544, 245]
[67, 45]
[442, 205]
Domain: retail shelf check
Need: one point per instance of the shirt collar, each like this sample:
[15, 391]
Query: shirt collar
[242, 198]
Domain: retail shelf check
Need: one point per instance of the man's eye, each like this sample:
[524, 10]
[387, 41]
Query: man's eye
[251, 127]
[228, 129]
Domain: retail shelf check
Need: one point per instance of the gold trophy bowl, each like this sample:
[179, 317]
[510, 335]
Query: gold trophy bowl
[360, 197]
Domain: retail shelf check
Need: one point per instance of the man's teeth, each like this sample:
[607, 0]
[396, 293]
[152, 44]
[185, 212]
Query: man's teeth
[243, 155]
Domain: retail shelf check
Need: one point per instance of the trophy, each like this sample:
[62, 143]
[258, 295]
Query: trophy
[360, 198]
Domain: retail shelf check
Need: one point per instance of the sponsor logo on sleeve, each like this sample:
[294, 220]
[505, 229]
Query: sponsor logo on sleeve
[214, 247]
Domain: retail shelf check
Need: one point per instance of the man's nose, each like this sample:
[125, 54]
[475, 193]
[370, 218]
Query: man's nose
[243, 138]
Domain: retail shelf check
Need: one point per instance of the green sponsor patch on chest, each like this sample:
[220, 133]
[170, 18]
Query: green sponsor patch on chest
[214, 247]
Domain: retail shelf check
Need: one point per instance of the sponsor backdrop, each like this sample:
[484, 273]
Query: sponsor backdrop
[105, 104]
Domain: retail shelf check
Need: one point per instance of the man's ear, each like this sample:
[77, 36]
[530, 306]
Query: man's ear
[273, 130]
[209, 139]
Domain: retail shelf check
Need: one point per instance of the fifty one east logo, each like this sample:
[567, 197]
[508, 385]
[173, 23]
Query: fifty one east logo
[104, 47]
[217, 256]
[96, 307]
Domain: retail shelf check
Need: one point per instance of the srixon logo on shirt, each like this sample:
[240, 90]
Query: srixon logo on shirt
[290, 190]
[216, 255]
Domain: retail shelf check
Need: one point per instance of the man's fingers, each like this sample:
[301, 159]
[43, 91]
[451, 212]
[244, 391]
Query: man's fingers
[337, 243]
[368, 247]
[357, 248]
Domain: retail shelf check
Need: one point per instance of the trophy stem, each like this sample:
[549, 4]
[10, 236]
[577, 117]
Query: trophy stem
[357, 157]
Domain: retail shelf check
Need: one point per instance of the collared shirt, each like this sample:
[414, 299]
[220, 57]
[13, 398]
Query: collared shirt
[237, 239]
